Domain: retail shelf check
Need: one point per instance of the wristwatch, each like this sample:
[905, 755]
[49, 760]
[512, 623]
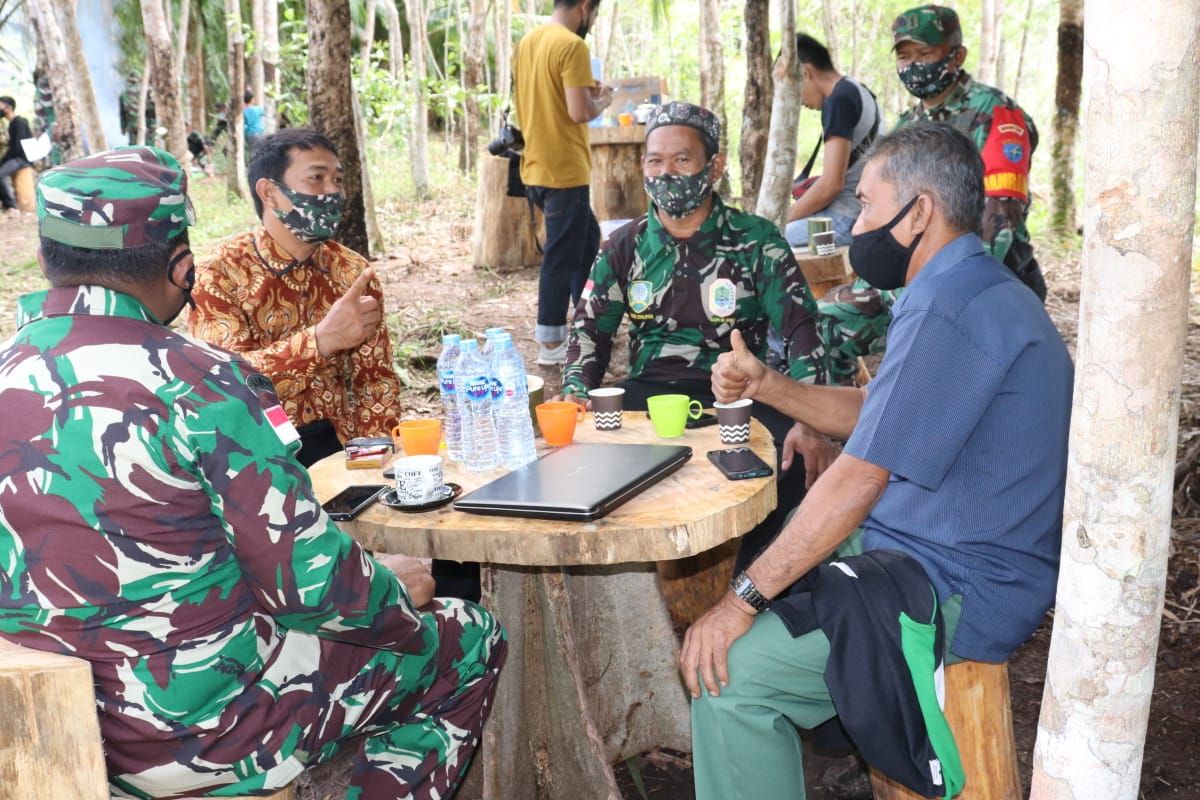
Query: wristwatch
[746, 591]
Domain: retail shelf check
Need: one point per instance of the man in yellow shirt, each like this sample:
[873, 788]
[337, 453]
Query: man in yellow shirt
[555, 97]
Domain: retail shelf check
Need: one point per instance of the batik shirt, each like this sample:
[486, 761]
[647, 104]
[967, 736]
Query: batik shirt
[684, 298]
[256, 300]
[154, 522]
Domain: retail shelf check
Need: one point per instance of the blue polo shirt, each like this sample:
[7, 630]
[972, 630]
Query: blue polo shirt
[970, 413]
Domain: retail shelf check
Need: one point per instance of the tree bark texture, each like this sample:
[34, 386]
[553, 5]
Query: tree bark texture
[331, 105]
[1066, 115]
[775, 191]
[756, 113]
[418, 142]
[67, 130]
[143, 101]
[181, 60]
[89, 110]
[196, 81]
[236, 173]
[368, 36]
[712, 74]
[986, 71]
[1016, 89]
[258, 24]
[473, 77]
[271, 64]
[1139, 203]
[395, 41]
[503, 38]
[164, 78]
[998, 40]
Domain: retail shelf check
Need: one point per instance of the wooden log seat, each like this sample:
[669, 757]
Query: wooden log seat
[48, 749]
[979, 711]
[23, 189]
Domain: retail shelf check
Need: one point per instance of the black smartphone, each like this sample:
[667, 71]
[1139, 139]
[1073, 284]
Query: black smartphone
[704, 420]
[739, 463]
[352, 501]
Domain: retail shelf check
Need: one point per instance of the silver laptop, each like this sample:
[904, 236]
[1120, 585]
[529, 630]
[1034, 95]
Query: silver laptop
[577, 482]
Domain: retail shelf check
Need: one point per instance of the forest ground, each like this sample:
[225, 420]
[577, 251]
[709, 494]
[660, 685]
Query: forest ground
[431, 288]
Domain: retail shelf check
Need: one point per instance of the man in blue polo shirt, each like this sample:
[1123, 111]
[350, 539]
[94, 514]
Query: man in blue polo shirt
[955, 461]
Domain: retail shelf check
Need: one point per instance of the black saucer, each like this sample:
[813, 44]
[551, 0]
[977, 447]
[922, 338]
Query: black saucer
[389, 499]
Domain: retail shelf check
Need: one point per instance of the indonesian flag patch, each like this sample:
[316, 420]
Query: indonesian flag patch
[281, 424]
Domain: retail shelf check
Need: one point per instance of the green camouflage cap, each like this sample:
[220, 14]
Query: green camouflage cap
[690, 115]
[120, 198]
[926, 24]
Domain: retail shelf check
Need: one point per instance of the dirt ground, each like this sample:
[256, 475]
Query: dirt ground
[431, 288]
[432, 273]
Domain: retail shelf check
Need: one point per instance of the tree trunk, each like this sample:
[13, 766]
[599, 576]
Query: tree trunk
[998, 43]
[236, 52]
[196, 79]
[418, 142]
[1139, 202]
[368, 36]
[374, 234]
[776, 187]
[830, 26]
[1016, 92]
[331, 104]
[712, 74]
[258, 24]
[181, 59]
[395, 42]
[89, 110]
[986, 71]
[143, 101]
[271, 65]
[756, 113]
[67, 131]
[474, 55]
[503, 37]
[164, 77]
[1066, 116]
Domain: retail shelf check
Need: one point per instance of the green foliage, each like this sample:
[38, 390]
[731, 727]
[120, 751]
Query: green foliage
[292, 100]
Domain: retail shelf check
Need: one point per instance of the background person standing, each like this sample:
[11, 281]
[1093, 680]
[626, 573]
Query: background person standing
[555, 96]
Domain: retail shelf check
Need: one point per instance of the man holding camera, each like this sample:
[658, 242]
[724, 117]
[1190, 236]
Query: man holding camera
[555, 97]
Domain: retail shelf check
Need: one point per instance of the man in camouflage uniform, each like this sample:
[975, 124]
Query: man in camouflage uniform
[154, 521]
[929, 60]
[688, 275]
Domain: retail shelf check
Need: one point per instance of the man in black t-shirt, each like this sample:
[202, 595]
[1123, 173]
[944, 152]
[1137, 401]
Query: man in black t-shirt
[850, 121]
[14, 157]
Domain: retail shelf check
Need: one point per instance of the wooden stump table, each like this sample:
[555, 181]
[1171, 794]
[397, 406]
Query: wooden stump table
[592, 673]
[824, 272]
[616, 190]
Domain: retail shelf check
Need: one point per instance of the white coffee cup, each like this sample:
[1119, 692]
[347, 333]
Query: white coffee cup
[419, 479]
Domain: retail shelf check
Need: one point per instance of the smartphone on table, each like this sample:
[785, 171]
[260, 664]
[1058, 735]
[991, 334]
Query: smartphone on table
[703, 421]
[739, 463]
[352, 501]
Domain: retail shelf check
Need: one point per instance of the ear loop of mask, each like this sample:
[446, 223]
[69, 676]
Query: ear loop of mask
[190, 278]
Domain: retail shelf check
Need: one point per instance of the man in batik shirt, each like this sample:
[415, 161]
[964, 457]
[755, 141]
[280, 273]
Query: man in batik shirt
[687, 274]
[154, 521]
[303, 309]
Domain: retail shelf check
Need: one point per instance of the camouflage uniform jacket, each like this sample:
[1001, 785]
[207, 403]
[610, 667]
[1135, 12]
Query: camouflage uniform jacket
[683, 299]
[154, 522]
[254, 299]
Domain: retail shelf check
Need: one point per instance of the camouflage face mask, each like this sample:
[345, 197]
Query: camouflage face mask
[925, 80]
[679, 195]
[314, 218]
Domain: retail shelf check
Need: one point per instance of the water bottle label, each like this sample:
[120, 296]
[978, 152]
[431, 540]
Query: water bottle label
[446, 380]
[479, 388]
[497, 388]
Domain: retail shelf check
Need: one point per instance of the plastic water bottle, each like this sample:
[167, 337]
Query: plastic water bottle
[513, 424]
[451, 421]
[489, 350]
[481, 448]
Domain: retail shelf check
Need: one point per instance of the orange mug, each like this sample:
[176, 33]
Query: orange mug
[625, 119]
[557, 421]
[419, 437]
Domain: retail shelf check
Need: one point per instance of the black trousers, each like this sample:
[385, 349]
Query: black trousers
[318, 440]
[790, 487]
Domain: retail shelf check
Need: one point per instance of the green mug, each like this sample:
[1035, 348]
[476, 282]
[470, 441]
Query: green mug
[669, 413]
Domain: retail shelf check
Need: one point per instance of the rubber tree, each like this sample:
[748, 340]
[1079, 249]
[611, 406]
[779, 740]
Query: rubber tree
[1139, 206]
[164, 78]
[1067, 90]
[67, 130]
[776, 187]
[756, 111]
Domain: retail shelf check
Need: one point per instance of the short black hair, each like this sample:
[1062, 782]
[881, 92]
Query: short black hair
[248, 96]
[573, 3]
[810, 51]
[9, 102]
[273, 156]
[67, 265]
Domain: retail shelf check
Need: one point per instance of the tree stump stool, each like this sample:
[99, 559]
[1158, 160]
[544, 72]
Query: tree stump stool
[617, 191]
[824, 272]
[979, 711]
[507, 230]
[49, 749]
[23, 188]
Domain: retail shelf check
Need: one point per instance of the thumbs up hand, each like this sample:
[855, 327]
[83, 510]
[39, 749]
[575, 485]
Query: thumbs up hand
[738, 373]
[351, 319]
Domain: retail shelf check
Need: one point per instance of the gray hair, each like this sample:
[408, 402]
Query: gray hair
[937, 160]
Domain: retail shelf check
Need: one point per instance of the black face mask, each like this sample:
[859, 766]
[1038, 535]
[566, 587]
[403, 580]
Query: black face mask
[876, 256]
[190, 281]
